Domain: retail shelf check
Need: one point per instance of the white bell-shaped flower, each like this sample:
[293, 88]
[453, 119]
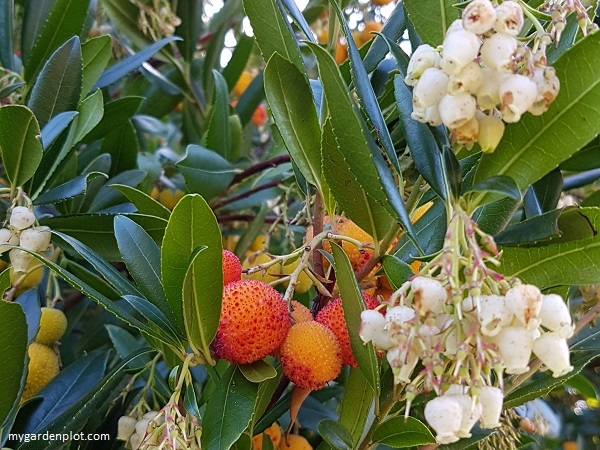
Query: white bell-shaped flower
[497, 52]
[403, 363]
[141, 426]
[467, 81]
[398, 316]
[491, 130]
[525, 303]
[125, 427]
[20, 260]
[509, 18]
[491, 399]
[382, 341]
[456, 110]
[135, 441]
[515, 346]
[460, 48]
[517, 94]
[444, 415]
[548, 86]
[424, 57]
[429, 295]
[553, 351]
[451, 344]
[488, 93]
[21, 217]
[493, 314]
[430, 88]
[466, 134]
[555, 315]
[420, 114]
[471, 412]
[35, 239]
[9, 238]
[372, 324]
[479, 16]
[456, 25]
[432, 116]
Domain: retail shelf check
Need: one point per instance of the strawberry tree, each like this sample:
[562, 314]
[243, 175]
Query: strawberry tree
[353, 225]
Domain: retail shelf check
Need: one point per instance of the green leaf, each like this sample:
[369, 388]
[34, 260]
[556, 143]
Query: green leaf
[501, 184]
[91, 111]
[141, 255]
[535, 145]
[583, 385]
[531, 231]
[393, 30]
[190, 402]
[122, 146]
[353, 305]
[13, 341]
[272, 31]
[295, 115]
[9, 89]
[58, 86]
[361, 208]
[356, 405]
[117, 71]
[95, 54]
[190, 13]
[116, 113]
[206, 173]
[192, 225]
[335, 434]
[35, 15]
[143, 202]
[6, 31]
[228, 411]
[65, 21]
[545, 266]
[218, 133]
[238, 61]
[362, 155]
[77, 186]
[254, 229]
[400, 433]
[20, 144]
[431, 18]
[155, 318]
[396, 271]
[258, 371]
[55, 127]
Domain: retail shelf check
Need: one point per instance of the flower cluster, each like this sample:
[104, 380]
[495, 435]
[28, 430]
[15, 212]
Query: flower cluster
[20, 230]
[482, 76]
[458, 326]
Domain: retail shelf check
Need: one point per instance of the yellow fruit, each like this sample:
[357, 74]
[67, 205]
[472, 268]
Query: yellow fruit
[53, 324]
[258, 244]
[155, 193]
[323, 36]
[254, 260]
[242, 83]
[304, 281]
[32, 278]
[43, 366]
[296, 442]
[274, 432]
[170, 198]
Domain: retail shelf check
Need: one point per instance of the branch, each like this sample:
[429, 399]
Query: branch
[235, 198]
[259, 167]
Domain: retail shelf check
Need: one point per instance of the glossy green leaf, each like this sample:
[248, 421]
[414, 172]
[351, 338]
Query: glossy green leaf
[77, 186]
[298, 17]
[238, 61]
[20, 144]
[95, 54]
[295, 115]
[36, 13]
[122, 146]
[548, 190]
[191, 25]
[400, 433]
[65, 21]
[55, 127]
[13, 341]
[206, 173]
[583, 385]
[141, 255]
[361, 208]
[545, 266]
[258, 371]
[6, 31]
[501, 184]
[108, 197]
[493, 217]
[362, 155]
[91, 111]
[192, 225]
[254, 229]
[228, 411]
[272, 31]
[163, 329]
[218, 133]
[190, 402]
[58, 86]
[353, 305]
[393, 30]
[9, 89]
[535, 145]
[431, 18]
[143, 202]
[335, 434]
[356, 405]
[396, 271]
[116, 113]
[531, 231]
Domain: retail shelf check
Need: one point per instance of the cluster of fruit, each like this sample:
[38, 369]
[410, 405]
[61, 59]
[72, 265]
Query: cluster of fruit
[483, 77]
[44, 362]
[457, 327]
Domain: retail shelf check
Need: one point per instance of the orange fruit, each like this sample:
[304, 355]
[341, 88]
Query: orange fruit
[311, 355]
[254, 322]
[274, 433]
[259, 117]
[332, 316]
[296, 442]
[382, 2]
[232, 268]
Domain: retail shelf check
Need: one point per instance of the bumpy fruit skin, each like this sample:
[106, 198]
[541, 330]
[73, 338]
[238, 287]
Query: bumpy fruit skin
[53, 324]
[300, 313]
[232, 268]
[311, 355]
[33, 277]
[254, 322]
[370, 301]
[274, 432]
[269, 276]
[43, 366]
[332, 316]
[296, 442]
[170, 198]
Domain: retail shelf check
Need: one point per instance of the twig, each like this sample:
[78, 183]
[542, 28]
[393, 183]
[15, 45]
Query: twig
[259, 167]
[246, 194]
